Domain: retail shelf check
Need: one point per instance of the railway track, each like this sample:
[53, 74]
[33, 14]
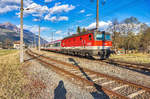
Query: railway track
[95, 81]
[139, 67]
[129, 65]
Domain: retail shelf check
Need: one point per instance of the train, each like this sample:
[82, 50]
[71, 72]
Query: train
[92, 43]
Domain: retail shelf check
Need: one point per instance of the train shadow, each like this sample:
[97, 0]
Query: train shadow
[99, 94]
[60, 91]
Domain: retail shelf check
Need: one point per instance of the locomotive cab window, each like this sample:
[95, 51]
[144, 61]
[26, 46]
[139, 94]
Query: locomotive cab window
[100, 37]
[107, 37]
[90, 37]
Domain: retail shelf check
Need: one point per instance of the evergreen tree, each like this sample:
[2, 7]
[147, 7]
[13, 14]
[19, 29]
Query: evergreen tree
[83, 30]
[78, 29]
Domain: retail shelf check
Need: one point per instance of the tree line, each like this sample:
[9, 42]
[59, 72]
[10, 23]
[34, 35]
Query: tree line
[7, 44]
[129, 34]
[79, 30]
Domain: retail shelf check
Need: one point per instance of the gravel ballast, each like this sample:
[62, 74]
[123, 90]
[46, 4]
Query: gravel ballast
[102, 68]
[46, 84]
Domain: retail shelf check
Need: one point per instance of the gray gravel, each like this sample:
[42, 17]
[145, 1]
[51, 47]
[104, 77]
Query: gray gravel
[103, 68]
[46, 84]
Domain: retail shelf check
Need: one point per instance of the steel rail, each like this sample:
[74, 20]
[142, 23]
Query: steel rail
[62, 71]
[99, 74]
[144, 67]
[127, 64]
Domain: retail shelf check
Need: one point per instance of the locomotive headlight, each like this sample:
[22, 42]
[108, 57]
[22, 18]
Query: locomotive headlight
[105, 44]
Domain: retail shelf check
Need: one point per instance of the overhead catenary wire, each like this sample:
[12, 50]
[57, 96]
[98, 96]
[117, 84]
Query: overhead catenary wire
[115, 10]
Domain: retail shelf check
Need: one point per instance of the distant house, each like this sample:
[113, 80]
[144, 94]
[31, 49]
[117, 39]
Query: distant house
[17, 44]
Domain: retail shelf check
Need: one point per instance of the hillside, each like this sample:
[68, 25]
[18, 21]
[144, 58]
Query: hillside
[12, 32]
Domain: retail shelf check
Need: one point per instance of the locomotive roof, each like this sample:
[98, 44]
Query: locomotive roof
[83, 33]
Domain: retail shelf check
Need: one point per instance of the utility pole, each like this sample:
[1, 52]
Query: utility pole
[97, 15]
[34, 40]
[21, 33]
[52, 36]
[39, 40]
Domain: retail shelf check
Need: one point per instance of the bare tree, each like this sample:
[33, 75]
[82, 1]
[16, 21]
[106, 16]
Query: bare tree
[7, 44]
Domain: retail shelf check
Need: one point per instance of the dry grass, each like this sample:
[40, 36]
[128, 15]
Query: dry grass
[7, 51]
[12, 79]
[134, 58]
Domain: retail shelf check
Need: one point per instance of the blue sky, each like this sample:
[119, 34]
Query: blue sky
[61, 16]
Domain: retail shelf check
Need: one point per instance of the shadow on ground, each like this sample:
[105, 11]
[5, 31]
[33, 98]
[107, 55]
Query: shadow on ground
[60, 91]
[99, 94]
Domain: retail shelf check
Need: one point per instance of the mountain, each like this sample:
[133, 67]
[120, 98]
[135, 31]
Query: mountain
[12, 32]
[9, 26]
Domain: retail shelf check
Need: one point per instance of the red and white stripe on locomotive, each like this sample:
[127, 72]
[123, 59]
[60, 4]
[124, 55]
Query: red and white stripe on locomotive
[85, 44]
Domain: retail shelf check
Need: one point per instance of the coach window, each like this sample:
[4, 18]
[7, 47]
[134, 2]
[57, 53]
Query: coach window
[90, 37]
[59, 44]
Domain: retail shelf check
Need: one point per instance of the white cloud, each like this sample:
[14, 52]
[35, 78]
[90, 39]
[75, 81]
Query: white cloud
[89, 15]
[34, 28]
[36, 20]
[10, 1]
[58, 32]
[48, 0]
[102, 25]
[61, 8]
[10, 5]
[54, 18]
[36, 9]
[26, 2]
[82, 11]
[63, 18]
[8, 8]
[49, 18]
[147, 23]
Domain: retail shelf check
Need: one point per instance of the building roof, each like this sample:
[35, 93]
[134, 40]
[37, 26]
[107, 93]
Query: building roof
[16, 42]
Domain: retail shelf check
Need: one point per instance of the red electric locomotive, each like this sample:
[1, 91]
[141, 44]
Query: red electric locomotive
[89, 44]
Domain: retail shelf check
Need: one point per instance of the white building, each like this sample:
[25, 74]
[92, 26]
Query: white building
[17, 44]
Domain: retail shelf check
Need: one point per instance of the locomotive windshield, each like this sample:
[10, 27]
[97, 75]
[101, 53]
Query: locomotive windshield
[102, 37]
[107, 37]
[99, 37]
